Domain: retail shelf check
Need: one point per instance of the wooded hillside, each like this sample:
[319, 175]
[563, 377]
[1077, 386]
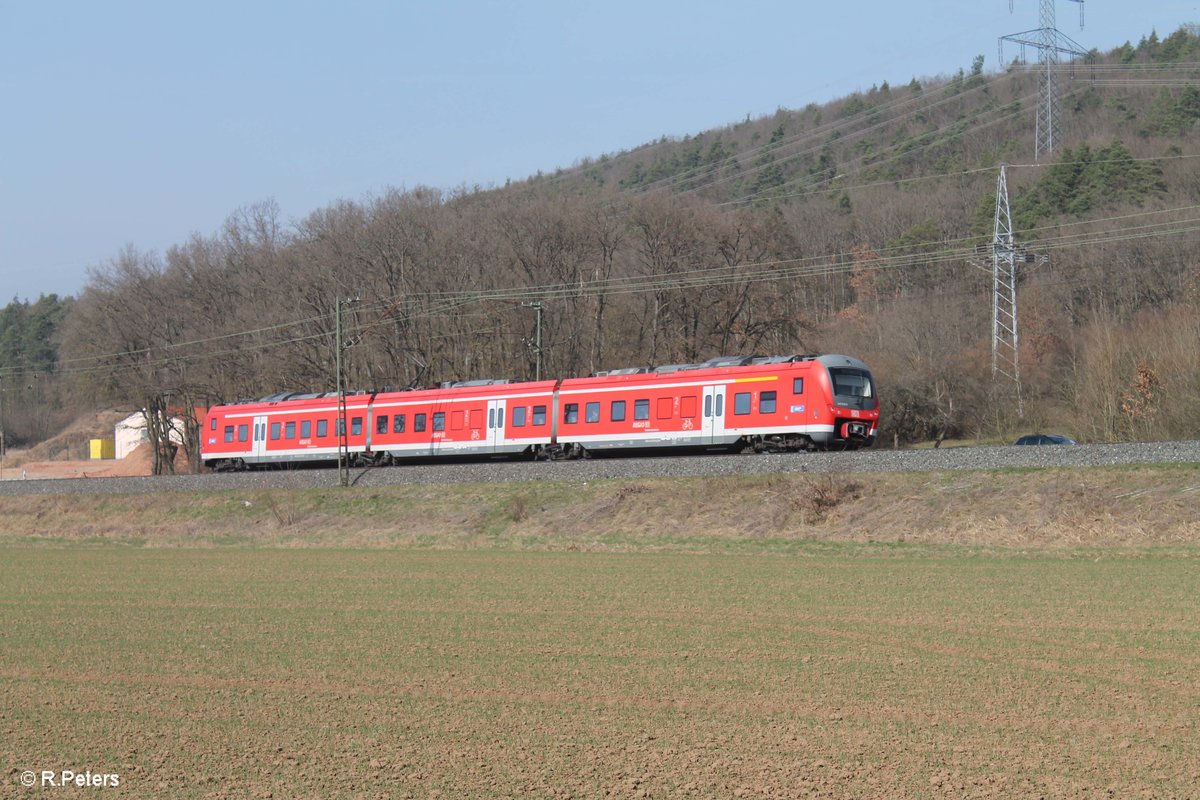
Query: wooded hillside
[852, 227]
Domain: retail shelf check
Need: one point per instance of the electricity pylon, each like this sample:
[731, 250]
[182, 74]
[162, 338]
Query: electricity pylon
[1004, 259]
[1050, 43]
[1005, 354]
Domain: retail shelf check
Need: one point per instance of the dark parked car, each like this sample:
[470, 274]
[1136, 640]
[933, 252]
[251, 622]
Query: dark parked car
[1045, 438]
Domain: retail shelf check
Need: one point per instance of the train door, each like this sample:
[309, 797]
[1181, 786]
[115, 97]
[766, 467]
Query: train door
[495, 424]
[437, 429]
[259, 435]
[713, 421]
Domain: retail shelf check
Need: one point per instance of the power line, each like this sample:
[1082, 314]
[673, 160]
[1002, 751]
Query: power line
[845, 139]
[850, 169]
[525, 292]
[951, 251]
[1000, 114]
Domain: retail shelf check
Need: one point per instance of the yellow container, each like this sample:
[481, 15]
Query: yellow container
[103, 448]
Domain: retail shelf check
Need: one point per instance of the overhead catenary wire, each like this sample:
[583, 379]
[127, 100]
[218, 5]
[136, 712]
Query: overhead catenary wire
[951, 251]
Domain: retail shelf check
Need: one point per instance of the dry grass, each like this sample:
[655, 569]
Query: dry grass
[1058, 509]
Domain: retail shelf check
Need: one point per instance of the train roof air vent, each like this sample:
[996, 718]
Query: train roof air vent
[479, 382]
[730, 361]
[781, 359]
[622, 371]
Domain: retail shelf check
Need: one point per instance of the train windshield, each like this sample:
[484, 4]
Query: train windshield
[853, 388]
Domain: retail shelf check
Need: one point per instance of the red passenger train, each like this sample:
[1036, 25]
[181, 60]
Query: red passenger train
[767, 403]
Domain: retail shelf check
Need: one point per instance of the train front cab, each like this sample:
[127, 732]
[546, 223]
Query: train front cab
[853, 403]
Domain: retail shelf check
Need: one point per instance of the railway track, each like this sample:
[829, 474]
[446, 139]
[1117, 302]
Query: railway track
[955, 458]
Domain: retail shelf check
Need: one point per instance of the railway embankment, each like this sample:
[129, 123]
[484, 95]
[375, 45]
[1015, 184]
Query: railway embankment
[653, 506]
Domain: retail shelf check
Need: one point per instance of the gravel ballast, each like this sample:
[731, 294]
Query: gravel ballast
[926, 460]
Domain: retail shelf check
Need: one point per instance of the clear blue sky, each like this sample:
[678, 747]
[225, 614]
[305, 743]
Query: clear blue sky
[143, 122]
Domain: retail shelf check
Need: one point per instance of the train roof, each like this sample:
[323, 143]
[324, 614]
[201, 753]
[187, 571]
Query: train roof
[843, 361]
[715, 363]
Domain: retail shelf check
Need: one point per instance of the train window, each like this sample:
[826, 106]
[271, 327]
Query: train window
[341, 426]
[500, 417]
[518, 417]
[641, 409]
[418, 422]
[539, 415]
[289, 430]
[322, 427]
[274, 431]
[243, 433]
[592, 412]
[687, 407]
[305, 428]
[491, 418]
[229, 433]
[356, 426]
[571, 413]
[213, 423]
[618, 410]
[741, 403]
[852, 384]
[708, 405]
[720, 405]
[398, 424]
[666, 407]
[797, 385]
[381, 423]
[439, 420]
[766, 403]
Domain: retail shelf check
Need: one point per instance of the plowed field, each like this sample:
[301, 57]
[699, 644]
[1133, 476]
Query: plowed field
[835, 670]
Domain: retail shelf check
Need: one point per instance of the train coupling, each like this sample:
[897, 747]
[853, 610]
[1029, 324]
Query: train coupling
[854, 431]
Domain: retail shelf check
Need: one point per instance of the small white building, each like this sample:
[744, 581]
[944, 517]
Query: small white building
[130, 433]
